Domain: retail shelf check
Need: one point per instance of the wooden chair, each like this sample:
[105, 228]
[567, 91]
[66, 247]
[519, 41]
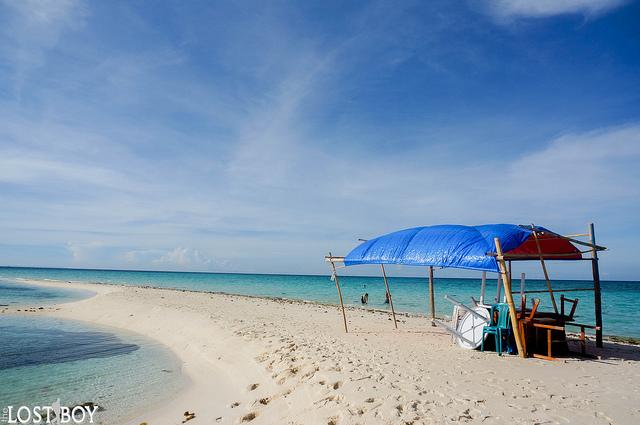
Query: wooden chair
[574, 304]
[549, 329]
[525, 321]
[558, 326]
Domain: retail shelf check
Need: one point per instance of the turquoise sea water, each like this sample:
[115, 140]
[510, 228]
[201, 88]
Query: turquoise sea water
[12, 294]
[620, 298]
[44, 359]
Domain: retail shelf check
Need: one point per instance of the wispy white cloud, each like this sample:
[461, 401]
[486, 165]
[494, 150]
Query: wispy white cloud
[590, 169]
[509, 9]
[259, 172]
[33, 27]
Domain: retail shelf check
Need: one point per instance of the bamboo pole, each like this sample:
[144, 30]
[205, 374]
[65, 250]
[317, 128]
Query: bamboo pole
[432, 297]
[331, 259]
[544, 269]
[335, 276]
[579, 242]
[506, 280]
[526, 257]
[386, 284]
[483, 287]
[597, 296]
[563, 290]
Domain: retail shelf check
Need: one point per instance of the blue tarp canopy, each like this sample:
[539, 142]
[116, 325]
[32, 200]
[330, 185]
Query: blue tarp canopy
[448, 245]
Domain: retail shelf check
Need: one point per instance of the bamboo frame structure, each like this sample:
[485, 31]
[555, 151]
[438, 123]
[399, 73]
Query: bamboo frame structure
[505, 274]
[506, 280]
[386, 284]
[544, 269]
[432, 301]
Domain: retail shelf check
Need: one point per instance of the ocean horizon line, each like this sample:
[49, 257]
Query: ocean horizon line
[328, 274]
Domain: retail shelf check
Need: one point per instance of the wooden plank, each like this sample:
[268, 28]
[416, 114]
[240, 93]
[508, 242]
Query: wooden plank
[581, 325]
[543, 357]
[550, 327]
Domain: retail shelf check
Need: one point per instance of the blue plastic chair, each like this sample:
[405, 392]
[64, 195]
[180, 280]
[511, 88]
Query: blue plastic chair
[499, 328]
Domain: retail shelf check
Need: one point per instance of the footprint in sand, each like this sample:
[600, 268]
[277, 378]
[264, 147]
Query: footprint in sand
[253, 386]
[337, 385]
[249, 417]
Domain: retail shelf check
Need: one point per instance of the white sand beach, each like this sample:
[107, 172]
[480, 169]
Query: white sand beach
[283, 362]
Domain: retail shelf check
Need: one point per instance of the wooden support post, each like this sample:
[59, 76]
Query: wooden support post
[506, 280]
[522, 283]
[335, 277]
[386, 284]
[499, 288]
[596, 286]
[544, 269]
[483, 287]
[432, 301]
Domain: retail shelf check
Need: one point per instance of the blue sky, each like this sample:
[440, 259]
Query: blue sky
[257, 136]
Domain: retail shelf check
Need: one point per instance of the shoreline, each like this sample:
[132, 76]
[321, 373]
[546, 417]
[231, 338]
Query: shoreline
[198, 375]
[307, 370]
[614, 338]
[352, 307]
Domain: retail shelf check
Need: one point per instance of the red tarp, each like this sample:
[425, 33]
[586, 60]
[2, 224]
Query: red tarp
[549, 244]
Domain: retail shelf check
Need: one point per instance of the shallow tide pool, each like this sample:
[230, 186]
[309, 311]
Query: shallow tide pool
[44, 359]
